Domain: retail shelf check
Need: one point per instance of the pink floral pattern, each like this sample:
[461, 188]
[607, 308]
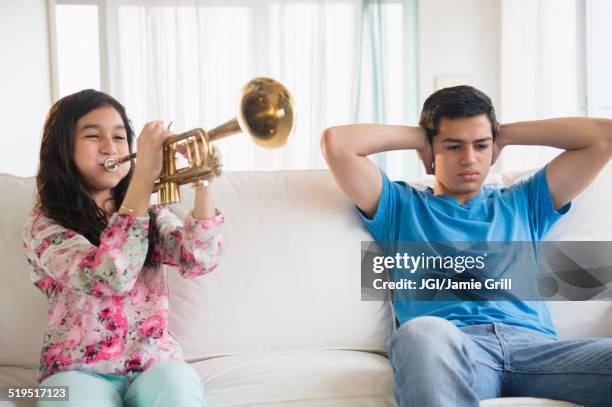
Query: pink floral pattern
[108, 310]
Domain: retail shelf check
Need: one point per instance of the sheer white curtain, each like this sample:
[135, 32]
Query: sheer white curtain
[344, 61]
[540, 59]
[186, 61]
[388, 82]
[599, 54]
[555, 61]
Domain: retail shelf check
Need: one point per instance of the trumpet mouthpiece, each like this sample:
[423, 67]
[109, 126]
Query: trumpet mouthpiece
[110, 165]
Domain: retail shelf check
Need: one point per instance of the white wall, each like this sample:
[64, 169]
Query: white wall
[460, 37]
[24, 83]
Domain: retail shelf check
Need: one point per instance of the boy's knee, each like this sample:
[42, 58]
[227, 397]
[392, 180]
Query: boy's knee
[425, 333]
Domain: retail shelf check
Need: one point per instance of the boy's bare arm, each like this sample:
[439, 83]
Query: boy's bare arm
[588, 142]
[346, 148]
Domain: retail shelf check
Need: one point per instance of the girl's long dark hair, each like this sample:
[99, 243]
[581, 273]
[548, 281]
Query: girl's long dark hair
[62, 194]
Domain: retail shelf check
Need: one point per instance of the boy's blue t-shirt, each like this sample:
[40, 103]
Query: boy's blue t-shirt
[521, 212]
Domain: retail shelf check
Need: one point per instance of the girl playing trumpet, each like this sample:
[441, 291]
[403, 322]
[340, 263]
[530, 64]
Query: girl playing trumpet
[97, 251]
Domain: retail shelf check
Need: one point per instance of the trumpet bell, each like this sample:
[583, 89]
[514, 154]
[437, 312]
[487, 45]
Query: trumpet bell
[265, 112]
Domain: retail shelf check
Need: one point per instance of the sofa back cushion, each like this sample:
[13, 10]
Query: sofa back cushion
[24, 308]
[290, 276]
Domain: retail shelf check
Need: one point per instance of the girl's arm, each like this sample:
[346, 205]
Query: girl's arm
[194, 245]
[70, 260]
[203, 207]
[148, 168]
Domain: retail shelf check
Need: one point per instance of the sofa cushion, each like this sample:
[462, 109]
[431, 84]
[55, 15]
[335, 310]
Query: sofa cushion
[18, 376]
[24, 317]
[290, 277]
[298, 378]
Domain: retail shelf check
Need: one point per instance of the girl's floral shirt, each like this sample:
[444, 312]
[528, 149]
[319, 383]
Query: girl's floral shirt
[108, 311]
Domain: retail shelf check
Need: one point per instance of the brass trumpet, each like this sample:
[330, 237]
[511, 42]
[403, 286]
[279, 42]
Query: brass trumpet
[265, 112]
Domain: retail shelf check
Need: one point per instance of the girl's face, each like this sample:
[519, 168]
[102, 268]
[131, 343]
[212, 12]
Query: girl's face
[100, 134]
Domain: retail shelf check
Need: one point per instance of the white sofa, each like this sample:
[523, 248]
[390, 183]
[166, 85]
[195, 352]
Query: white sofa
[281, 321]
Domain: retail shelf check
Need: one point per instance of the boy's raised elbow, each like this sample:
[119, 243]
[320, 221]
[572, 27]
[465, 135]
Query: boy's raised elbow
[329, 142]
[608, 135]
[604, 127]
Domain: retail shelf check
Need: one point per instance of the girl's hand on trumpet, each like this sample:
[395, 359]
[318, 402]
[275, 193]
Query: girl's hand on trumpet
[148, 167]
[203, 207]
[150, 150]
[216, 157]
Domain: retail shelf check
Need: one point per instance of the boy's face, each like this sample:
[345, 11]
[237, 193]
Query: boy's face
[462, 151]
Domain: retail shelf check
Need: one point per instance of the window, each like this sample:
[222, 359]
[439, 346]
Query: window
[78, 53]
[555, 62]
[178, 61]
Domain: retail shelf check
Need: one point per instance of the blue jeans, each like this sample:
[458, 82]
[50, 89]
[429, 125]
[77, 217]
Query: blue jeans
[167, 383]
[437, 364]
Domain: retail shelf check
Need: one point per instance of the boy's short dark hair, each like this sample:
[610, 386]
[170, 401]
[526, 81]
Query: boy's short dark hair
[455, 102]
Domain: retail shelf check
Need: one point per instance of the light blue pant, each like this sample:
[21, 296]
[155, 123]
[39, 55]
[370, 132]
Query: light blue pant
[437, 364]
[167, 383]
